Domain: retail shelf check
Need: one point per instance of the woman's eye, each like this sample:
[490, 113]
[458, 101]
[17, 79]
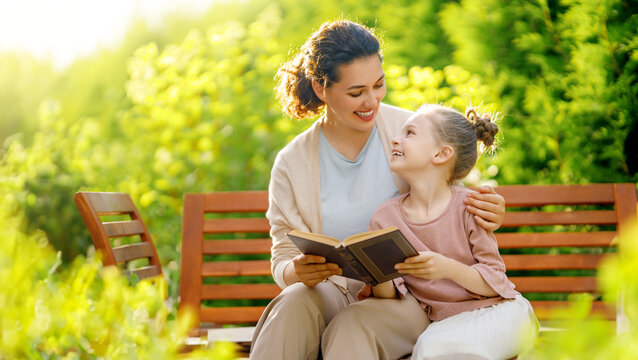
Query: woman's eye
[378, 86]
[356, 95]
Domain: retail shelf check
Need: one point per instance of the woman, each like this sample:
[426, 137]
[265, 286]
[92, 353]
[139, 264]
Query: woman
[329, 180]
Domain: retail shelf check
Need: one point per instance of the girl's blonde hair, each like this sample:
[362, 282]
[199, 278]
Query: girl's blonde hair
[462, 132]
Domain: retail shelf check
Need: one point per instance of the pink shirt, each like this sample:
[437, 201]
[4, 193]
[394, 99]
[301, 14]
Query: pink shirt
[454, 234]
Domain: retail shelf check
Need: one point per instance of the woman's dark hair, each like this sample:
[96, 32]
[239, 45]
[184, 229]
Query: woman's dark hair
[462, 133]
[335, 43]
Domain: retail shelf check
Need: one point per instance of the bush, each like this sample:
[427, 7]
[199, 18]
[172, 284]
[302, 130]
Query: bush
[82, 312]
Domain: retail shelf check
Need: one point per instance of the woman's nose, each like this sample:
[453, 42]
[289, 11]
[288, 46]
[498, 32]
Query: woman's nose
[370, 100]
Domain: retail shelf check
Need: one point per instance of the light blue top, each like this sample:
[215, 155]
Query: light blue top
[352, 190]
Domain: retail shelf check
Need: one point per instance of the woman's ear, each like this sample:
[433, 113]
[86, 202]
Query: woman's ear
[445, 153]
[319, 90]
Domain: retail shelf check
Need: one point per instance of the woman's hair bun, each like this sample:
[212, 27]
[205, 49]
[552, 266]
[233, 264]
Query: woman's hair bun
[484, 128]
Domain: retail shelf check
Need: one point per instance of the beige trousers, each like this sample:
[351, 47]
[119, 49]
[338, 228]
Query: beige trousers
[301, 321]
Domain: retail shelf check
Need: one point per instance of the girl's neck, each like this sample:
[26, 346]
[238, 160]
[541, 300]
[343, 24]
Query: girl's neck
[347, 141]
[429, 197]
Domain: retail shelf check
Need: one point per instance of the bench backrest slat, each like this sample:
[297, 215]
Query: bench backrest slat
[239, 246]
[539, 195]
[224, 226]
[566, 232]
[537, 218]
[532, 240]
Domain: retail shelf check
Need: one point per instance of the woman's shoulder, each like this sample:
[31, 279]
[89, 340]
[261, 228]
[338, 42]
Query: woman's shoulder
[394, 112]
[302, 144]
[391, 119]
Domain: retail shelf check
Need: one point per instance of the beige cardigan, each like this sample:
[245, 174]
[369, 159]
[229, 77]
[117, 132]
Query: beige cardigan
[295, 189]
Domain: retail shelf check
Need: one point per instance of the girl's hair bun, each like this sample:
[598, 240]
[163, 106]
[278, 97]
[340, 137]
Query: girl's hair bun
[484, 128]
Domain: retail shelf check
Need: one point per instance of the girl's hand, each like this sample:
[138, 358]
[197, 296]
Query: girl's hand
[312, 269]
[487, 206]
[427, 265]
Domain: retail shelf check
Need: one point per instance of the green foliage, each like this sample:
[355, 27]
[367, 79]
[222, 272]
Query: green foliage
[566, 73]
[81, 312]
[587, 338]
[201, 117]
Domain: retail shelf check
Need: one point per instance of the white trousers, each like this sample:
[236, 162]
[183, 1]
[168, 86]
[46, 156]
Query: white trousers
[302, 321]
[500, 331]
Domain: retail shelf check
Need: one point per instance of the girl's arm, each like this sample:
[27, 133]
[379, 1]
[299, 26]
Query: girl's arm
[431, 266]
[487, 206]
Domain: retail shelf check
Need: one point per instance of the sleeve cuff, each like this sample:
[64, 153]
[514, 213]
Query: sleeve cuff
[497, 280]
[365, 292]
[278, 273]
[399, 284]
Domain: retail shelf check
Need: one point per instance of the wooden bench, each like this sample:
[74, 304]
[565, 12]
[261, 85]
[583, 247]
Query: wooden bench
[139, 248]
[552, 240]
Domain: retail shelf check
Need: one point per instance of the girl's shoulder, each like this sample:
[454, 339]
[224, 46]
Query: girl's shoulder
[461, 191]
[390, 206]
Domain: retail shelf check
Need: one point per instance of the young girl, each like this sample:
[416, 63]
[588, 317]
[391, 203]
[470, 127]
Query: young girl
[458, 277]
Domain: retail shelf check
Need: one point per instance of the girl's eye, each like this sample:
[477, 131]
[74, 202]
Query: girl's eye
[410, 132]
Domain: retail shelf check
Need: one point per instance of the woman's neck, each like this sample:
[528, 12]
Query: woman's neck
[347, 141]
[429, 196]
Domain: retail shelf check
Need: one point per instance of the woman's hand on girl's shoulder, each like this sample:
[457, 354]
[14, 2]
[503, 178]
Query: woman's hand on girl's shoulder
[487, 206]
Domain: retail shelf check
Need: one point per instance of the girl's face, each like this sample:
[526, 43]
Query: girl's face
[416, 146]
[353, 101]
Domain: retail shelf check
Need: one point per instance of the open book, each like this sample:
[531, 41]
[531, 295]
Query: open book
[368, 256]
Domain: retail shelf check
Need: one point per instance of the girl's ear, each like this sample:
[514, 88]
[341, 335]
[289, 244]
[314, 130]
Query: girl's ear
[319, 90]
[445, 153]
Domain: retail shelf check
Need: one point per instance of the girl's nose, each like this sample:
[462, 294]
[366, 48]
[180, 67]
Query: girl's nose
[395, 140]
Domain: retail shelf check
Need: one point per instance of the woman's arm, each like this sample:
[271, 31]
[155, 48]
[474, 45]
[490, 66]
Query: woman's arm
[487, 206]
[288, 265]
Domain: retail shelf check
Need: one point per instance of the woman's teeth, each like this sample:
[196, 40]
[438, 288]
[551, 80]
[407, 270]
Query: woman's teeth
[364, 114]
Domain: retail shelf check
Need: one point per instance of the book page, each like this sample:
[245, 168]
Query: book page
[324, 239]
[367, 235]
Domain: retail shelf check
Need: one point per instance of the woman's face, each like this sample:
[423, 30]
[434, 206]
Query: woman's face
[353, 101]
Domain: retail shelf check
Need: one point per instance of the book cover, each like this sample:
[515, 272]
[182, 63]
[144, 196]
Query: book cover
[369, 256]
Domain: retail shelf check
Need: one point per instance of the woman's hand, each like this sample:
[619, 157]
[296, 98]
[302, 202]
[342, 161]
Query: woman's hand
[427, 265]
[312, 269]
[487, 206]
